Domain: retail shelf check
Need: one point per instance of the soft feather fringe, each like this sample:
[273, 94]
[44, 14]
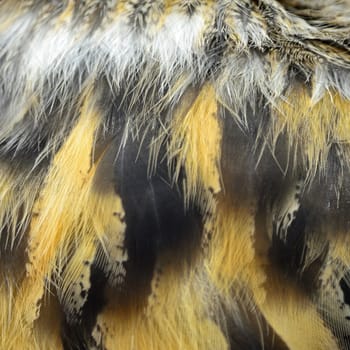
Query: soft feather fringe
[165, 66]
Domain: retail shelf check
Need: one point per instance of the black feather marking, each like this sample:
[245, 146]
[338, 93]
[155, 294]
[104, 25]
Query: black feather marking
[156, 219]
[77, 336]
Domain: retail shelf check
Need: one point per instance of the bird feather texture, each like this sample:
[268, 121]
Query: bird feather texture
[174, 174]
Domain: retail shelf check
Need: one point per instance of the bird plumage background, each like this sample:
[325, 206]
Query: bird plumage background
[175, 174]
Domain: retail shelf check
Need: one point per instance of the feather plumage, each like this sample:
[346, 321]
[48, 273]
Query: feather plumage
[174, 174]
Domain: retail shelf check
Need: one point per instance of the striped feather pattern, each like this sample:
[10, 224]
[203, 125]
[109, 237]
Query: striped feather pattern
[174, 174]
